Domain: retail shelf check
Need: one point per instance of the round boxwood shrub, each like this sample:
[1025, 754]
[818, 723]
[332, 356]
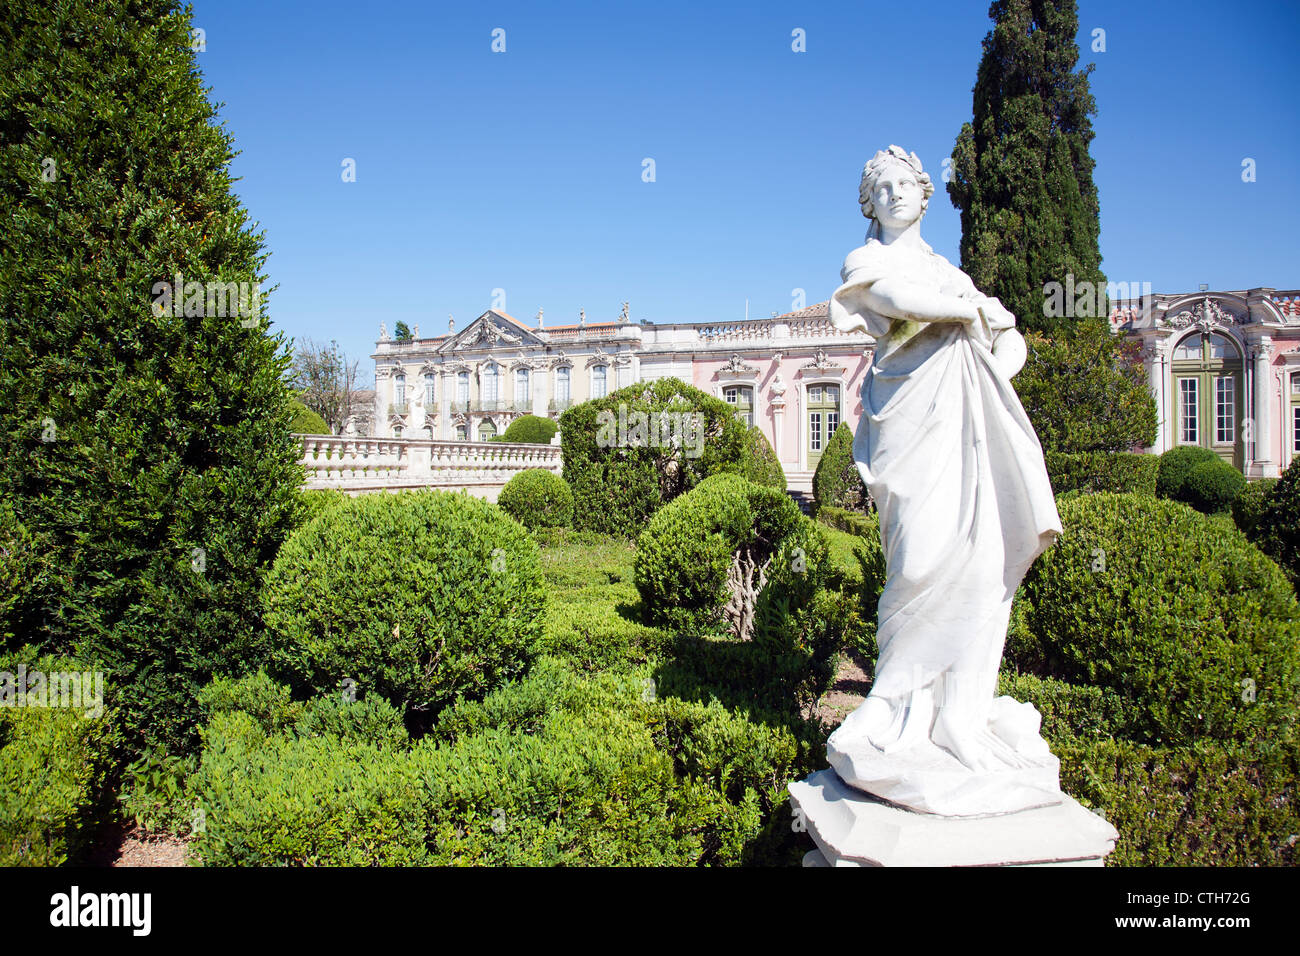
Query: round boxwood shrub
[530, 429]
[837, 483]
[720, 555]
[1194, 627]
[1212, 486]
[307, 422]
[420, 597]
[538, 498]
[1278, 529]
[627, 454]
[1175, 465]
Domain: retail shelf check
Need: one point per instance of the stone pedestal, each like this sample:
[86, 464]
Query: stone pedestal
[851, 828]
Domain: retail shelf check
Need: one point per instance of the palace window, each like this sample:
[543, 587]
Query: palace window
[562, 385]
[462, 433]
[523, 388]
[490, 390]
[429, 391]
[462, 389]
[399, 389]
[486, 430]
[742, 397]
[1189, 405]
[599, 388]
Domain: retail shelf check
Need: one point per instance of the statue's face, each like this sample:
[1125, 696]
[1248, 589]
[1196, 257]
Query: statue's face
[897, 196]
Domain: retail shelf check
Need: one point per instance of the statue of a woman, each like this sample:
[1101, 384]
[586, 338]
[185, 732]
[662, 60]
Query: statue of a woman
[965, 504]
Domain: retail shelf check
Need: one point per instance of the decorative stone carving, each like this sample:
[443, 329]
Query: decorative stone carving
[623, 316]
[931, 736]
[383, 332]
[1206, 314]
[821, 361]
[734, 364]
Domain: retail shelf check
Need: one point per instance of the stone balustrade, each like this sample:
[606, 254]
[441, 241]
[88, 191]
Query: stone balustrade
[355, 464]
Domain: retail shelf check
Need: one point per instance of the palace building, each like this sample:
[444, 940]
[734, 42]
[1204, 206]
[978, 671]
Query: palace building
[1224, 368]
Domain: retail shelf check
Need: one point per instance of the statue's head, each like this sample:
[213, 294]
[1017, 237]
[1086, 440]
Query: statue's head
[895, 189]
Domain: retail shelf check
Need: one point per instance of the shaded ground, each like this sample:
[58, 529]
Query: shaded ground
[852, 681]
[123, 845]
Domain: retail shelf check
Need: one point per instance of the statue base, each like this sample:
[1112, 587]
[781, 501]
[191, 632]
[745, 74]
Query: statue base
[928, 779]
[852, 828]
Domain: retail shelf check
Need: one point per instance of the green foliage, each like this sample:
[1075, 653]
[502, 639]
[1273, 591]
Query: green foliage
[1212, 486]
[1021, 170]
[1087, 392]
[167, 432]
[1175, 465]
[23, 579]
[621, 475]
[556, 769]
[837, 483]
[1069, 710]
[694, 543]
[1179, 614]
[315, 500]
[1278, 529]
[761, 466]
[1103, 471]
[419, 597]
[401, 332]
[53, 763]
[530, 429]
[1249, 506]
[538, 498]
[307, 422]
[858, 570]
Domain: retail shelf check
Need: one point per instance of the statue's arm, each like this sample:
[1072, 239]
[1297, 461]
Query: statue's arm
[899, 299]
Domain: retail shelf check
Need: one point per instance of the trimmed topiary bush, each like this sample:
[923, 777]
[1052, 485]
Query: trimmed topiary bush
[316, 500]
[538, 498]
[1194, 628]
[1212, 486]
[144, 420]
[1175, 465]
[837, 483]
[307, 422]
[1277, 531]
[530, 429]
[419, 597]
[627, 454]
[709, 560]
[1249, 506]
[761, 466]
[1115, 471]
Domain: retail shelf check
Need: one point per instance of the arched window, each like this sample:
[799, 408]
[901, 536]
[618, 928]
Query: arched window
[462, 433]
[490, 385]
[397, 431]
[1207, 394]
[599, 386]
[562, 394]
[742, 397]
[523, 390]
[486, 430]
[430, 393]
[427, 431]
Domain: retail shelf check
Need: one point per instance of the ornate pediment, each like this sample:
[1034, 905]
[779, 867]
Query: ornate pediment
[821, 361]
[560, 360]
[489, 330]
[599, 357]
[737, 368]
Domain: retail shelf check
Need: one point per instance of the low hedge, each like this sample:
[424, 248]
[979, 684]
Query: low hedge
[538, 498]
[1212, 486]
[760, 465]
[420, 597]
[556, 769]
[1249, 506]
[1103, 471]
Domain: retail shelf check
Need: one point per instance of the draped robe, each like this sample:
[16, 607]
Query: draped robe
[957, 475]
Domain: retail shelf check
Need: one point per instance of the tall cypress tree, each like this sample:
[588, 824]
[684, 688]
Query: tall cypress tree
[1022, 174]
[145, 443]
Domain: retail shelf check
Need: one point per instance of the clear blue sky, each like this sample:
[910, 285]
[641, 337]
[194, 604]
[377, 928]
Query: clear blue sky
[522, 170]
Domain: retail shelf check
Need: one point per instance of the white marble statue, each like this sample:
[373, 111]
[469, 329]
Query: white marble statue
[957, 474]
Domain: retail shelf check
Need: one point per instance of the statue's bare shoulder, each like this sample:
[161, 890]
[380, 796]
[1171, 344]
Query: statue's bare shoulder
[868, 261]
